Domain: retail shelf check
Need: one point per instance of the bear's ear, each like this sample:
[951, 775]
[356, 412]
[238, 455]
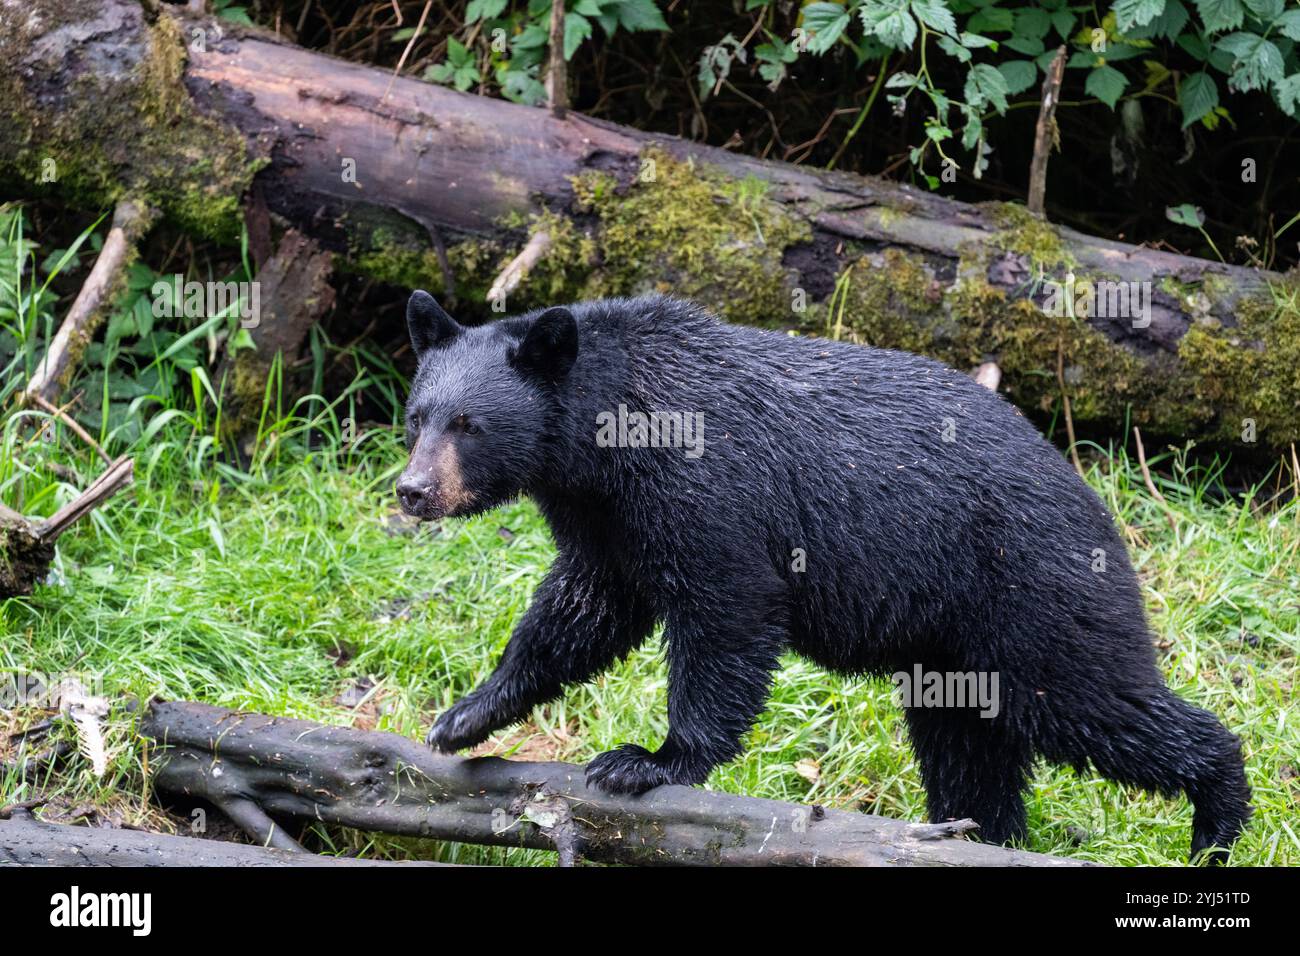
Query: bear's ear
[428, 324]
[549, 346]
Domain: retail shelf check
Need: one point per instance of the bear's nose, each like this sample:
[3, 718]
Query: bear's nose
[412, 494]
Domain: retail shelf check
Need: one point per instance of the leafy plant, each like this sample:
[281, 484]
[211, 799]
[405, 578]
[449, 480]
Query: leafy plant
[1001, 49]
[506, 43]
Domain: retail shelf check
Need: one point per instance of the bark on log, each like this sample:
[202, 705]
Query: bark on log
[296, 769]
[187, 127]
[28, 842]
[293, 293]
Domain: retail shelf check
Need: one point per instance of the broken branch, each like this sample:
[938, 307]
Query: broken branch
[130, 221]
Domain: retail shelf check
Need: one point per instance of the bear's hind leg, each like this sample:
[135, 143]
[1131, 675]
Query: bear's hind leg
[972, 768]
[1153, 739]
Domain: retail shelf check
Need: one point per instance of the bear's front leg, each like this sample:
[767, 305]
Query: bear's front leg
[581, 620]
[719, 677]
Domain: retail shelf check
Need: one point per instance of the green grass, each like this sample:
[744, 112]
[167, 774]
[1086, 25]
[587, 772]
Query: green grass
[277, 586]
[243, 589]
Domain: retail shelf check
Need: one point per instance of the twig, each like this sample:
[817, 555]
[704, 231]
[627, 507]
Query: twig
[1295, 472]
[1065, 404]
[537, 247]
[1045, 133]
[557, 86]
[1151, 485]
[250, 818]
[401, 61]
[102, 488]
[73, 425]
[130, 221]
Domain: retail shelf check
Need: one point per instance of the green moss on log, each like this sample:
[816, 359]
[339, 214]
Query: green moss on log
[893, 300]
[1251, 373]
[163, 151]
[687, 228]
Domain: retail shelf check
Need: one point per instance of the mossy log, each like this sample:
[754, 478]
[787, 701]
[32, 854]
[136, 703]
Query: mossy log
[423, 186]
[297, 770]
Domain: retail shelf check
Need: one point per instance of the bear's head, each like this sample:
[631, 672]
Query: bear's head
[482, 404]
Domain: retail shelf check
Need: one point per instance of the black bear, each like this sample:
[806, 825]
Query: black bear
[871, 510]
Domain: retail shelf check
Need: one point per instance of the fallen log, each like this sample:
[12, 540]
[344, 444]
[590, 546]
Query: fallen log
[423, 186]
[25, 841]
[304, 771]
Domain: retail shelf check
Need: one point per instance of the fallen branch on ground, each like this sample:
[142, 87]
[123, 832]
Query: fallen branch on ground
[27, 545]
[25, 841]
[304, 771]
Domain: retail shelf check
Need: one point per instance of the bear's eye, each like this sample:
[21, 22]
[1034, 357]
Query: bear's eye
[415, 421]
[461, 423]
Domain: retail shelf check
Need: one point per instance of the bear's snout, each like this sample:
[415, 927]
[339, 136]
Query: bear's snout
[419, 498]
[433, 485]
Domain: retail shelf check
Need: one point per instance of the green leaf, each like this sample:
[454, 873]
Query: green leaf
[1168, 25]
[635, 15]
[825, 22]
[1257, 62]
[991, 20]
[1195, 46]
[984, 84]
[1019, 75]
[970, 135]
[1107, 84]
[235, 15]
[483, 10]
[889, 22]
[1136, 13]
[1198, 95]
[954, 49]
[1287, 93]
[1288, 24]
[534, 36]
[1029, 46]
[1266, 11]
[1032, 22]
[1186, 215]
[1063, 22]
[1220, 14]
[576, 29]
[935, 15]
[973, 41]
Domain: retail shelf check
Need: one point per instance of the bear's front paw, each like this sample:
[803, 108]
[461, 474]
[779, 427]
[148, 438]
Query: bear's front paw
[629, 769]
[466, 724]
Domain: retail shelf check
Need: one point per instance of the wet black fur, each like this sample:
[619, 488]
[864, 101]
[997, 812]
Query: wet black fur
[970, 555]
